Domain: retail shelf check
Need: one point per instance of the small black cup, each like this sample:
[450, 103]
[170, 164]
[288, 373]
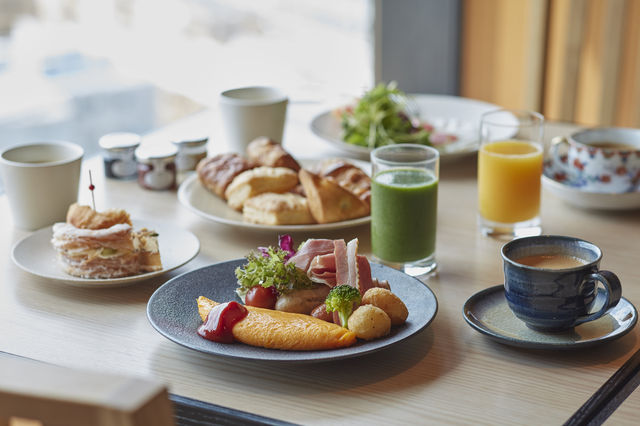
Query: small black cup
[557, 299]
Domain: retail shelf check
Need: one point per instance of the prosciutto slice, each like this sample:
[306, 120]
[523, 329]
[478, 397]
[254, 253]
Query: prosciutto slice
[352, 260]
[323, 269]
[310, 249]
[334, 262]
[365, 282]
[343, 268]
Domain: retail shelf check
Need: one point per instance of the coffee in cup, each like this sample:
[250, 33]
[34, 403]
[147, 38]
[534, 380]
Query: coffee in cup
[551, 282]
[601, 159]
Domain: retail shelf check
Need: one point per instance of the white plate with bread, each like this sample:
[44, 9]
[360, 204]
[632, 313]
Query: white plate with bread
[36, 255]
[267, 189]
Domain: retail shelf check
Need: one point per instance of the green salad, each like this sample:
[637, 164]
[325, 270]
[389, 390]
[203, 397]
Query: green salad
[380, 118]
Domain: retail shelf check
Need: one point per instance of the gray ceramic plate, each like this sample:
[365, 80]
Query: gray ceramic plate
[487, 311]
[173, 312]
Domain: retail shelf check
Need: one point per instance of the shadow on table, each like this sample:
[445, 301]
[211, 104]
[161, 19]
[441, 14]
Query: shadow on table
[398, 366]
[572, 358]
[58, 298]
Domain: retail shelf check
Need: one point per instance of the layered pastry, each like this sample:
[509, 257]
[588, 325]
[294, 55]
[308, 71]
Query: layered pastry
[216, 173]
[259, 181]
[347, 175]
[267, 152]
[277, 209]
[330, 202]
[95, 245]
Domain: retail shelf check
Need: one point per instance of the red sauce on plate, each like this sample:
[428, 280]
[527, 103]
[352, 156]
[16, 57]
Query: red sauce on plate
[221, 320]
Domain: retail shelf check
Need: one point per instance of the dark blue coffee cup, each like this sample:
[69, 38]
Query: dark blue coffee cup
[557, 297]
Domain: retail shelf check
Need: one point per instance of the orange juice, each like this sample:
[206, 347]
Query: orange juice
[509, 181]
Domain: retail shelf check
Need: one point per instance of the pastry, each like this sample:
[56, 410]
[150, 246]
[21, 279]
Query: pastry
[283, 330]
[348, 176]
[216, 173]
[104, 245]
[328, 201]
[87, 218]
[258, 181]
[266, 152]
[277, 209]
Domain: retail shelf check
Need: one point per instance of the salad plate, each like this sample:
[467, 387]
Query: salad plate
[193, 195]
[172, 311]
[450, 115]
[35, 255]
[488, 312]
[570, 188]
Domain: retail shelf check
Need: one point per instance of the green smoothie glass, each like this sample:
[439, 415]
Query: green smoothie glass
[404, 204]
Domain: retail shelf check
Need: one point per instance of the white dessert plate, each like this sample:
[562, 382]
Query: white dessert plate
[570, 189]
[36, 255]
[448, 114]
[193, 195]
[173, 312]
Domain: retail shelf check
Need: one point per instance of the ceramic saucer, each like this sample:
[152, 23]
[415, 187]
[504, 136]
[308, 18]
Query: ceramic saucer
[570, 188]
[488, 312]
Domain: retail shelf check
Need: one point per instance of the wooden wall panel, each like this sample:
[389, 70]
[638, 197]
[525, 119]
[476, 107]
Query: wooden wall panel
[573, 60]
[565, 28]
[628, 91]
[502, 54]
[599, 62]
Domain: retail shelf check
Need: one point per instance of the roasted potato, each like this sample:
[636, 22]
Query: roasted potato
[388, 302]
[369, 322]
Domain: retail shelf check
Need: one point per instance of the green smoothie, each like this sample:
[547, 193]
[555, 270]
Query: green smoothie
[403, 214]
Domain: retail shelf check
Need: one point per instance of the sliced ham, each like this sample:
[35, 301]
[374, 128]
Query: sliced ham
[334, 262]
[365, 281]
[352, 260]
[380, 283]
[323, 269]
[341, 262]
[310, 249]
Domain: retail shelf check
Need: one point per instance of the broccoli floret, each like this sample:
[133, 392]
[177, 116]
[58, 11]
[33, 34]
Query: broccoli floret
[342, 298]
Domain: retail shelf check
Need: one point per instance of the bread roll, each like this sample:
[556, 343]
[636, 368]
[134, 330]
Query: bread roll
[216, 173]
[258, 181]
[277, 209]
[266, 152]
[328, 201]
[347, 175]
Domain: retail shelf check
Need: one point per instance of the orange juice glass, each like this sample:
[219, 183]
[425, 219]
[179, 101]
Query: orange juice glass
[509, 172]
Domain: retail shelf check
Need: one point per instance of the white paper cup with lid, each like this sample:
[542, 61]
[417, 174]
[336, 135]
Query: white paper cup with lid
[41, 181]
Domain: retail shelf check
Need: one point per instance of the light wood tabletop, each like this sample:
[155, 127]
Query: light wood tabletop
[449, 373]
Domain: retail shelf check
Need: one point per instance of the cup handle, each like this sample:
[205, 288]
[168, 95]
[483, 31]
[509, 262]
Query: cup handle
[613, 290]
[555, 146]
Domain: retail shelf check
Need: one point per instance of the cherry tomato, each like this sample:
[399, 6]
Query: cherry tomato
[261, 297]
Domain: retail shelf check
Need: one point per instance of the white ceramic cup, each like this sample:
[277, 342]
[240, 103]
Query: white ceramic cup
[41, 181]
[251, 112]
[603, 159]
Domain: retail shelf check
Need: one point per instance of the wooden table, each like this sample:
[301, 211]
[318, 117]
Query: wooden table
[447, 374]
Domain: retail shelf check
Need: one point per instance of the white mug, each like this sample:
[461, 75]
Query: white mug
[41, 181]
[603, 159]
[251, 112]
